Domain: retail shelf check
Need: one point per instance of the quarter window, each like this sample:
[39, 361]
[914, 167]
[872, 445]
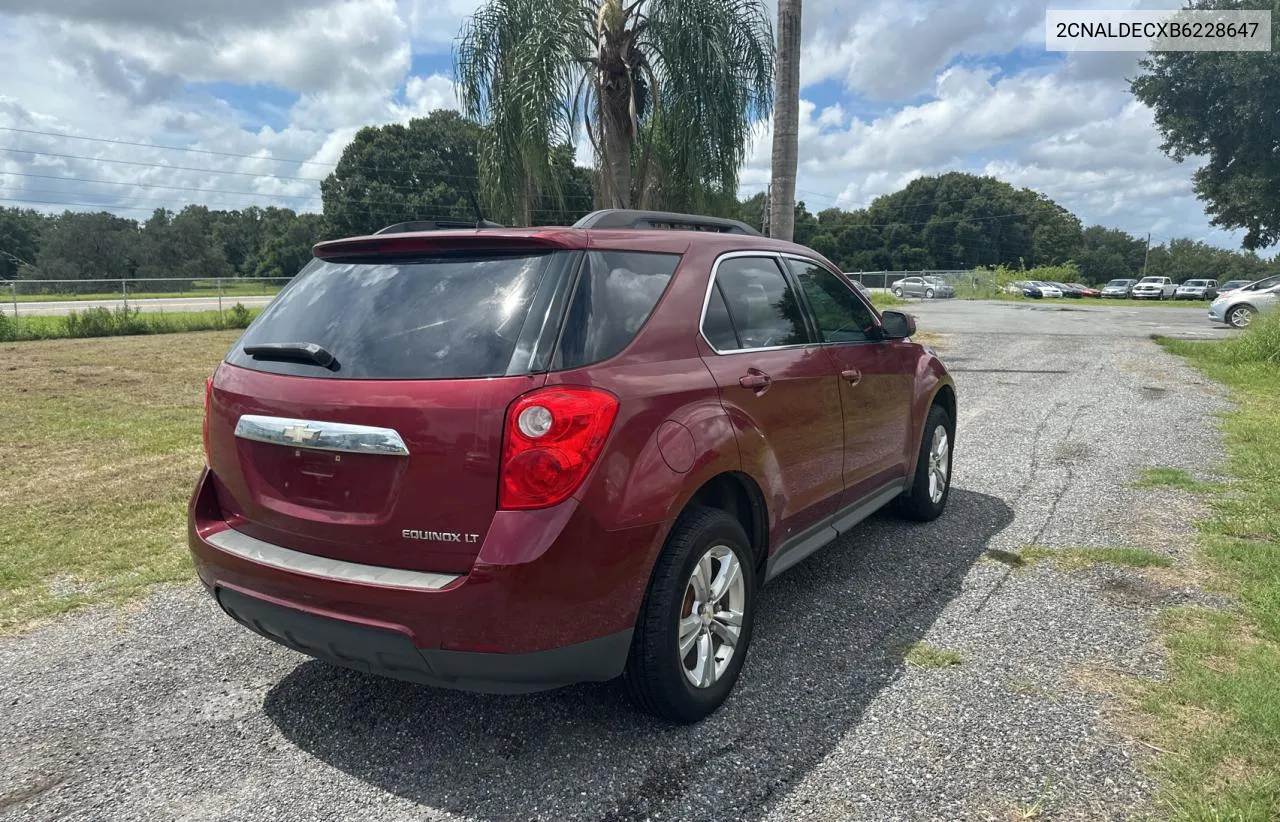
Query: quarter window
[761, 307]
[841, 316]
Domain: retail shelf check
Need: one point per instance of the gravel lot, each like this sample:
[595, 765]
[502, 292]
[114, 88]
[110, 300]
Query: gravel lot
[168, 710]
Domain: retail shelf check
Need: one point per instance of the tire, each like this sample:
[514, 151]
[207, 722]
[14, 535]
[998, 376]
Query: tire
[1241, 315]
[897, 292]
[920, 503]
[928, 295]
[657, 677]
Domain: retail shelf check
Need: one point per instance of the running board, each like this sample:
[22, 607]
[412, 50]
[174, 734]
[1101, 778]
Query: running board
[795, 549]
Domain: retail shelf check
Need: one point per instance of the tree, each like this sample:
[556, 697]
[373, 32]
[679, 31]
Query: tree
[389, 174]
[88, 246]
[1222, 105]
[786, 122]
[286, 242]
[667, 90]
[20, 230]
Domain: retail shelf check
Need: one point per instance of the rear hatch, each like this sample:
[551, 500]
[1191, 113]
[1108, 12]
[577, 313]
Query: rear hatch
[360, 417]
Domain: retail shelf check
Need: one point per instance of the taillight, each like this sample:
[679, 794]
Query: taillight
[208, 396]
[553, 437]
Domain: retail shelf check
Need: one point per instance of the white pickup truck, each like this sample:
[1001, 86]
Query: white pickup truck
[1154, 288]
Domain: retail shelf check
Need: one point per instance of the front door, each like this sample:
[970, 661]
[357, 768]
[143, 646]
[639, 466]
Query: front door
[874, 391]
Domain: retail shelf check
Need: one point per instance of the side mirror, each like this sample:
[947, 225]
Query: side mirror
[897, 325]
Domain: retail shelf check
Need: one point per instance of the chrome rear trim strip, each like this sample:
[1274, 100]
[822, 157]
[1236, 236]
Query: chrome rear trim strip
[321, 436]
[285, 559]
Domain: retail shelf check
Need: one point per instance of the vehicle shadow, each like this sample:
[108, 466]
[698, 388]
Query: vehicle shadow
[829, 635]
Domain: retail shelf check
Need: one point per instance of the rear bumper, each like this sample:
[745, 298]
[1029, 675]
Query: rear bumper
[386, 651]
[551, 600]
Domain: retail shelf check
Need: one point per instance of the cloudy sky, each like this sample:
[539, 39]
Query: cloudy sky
[892, 89]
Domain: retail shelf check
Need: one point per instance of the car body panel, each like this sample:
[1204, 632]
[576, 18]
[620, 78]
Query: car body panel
[1153, 288]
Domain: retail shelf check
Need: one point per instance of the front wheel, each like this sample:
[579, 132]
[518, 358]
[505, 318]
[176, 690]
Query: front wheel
[932, 485]
[897, 292]
[694, 627]
[1241, 316]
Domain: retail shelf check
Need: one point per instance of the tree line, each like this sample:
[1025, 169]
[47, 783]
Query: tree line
[429, 168]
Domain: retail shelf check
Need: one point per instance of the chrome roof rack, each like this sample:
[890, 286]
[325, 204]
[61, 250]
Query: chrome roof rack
[634, 218]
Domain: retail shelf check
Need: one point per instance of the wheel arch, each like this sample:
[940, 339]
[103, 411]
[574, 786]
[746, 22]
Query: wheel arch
[738, 495]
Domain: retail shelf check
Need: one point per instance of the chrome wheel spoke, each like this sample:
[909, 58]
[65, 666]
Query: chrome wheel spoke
[702, 579]
[728, 633]
[704, 666]
[729, 573]
[690, 627]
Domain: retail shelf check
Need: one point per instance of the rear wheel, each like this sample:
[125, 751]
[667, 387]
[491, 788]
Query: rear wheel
[897, 292]
[694, 627]
[929, 294]
[1241, 316]
[928, 495]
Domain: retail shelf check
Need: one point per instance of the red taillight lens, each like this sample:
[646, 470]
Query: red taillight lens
[208, 396]
[553, 437]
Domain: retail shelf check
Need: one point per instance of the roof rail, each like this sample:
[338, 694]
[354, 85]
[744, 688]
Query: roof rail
[436, 225]
[633, 218]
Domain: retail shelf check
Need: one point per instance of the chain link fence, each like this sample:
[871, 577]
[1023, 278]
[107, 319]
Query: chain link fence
[58, 297]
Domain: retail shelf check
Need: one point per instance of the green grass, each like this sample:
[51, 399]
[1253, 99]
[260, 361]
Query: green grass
[1161, 477]
[886, 300]
[923, 655]
[1218, 714]
[102, 322]
[197, 289]
[1074, 559]
[99, 449]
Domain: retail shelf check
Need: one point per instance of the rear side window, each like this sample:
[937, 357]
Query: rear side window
[445, 317]
[616, 293]
[762, 307]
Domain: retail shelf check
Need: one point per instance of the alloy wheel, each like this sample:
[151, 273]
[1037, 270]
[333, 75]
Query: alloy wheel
[1241, 317]
[939, 464]
[711, 616]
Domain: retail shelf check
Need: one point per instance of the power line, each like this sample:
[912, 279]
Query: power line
[166, 148]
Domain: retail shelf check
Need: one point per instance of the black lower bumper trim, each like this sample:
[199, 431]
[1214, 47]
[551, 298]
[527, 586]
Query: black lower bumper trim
[392, 654]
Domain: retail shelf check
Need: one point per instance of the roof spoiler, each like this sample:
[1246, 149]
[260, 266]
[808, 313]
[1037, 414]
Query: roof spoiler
[633, 218]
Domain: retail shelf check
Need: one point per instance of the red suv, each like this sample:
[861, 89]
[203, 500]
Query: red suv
[508, 460]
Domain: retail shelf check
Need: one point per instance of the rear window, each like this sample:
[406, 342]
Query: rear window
[430, 318]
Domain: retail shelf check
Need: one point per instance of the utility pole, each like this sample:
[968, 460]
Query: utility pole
[1147, 256]
[765, 210]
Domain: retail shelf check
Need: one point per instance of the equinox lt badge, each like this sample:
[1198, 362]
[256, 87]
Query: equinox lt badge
[440, 536]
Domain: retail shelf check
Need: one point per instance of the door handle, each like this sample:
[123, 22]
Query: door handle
[757, 381]
[852, 375]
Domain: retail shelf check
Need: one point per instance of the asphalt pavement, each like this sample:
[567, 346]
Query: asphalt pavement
[63, 307]
[168, 710]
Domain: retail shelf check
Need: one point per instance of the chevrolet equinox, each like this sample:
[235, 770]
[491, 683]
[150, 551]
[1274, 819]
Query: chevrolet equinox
[508, 460]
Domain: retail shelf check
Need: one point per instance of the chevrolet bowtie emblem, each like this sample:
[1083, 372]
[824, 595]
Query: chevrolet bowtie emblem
[300, 433]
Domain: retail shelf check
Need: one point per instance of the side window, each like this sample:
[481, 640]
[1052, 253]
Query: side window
[761, 306]
[615, 295]
[841, 316]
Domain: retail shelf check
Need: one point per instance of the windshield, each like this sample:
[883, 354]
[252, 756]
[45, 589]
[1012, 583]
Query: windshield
[1152, 280]
[1118, 283]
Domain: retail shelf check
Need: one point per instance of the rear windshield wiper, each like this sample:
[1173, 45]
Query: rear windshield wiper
[296, 351]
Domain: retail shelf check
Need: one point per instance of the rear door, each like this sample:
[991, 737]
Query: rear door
[774, 378]
[389, 455]
[875, 390]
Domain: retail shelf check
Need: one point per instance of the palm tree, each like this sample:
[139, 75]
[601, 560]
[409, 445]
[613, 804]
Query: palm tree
[667, 92]
[786, 124]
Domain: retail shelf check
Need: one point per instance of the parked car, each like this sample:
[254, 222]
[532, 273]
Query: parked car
[1016, 287]
[1237, 308]
[508, 460]
[1068, 290]
[1194, 290]
[1153, 288]
[862, 289]
[1229, 285]
[1036, 290]
[927, 287]
[1086, 291]
[1118, 288]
